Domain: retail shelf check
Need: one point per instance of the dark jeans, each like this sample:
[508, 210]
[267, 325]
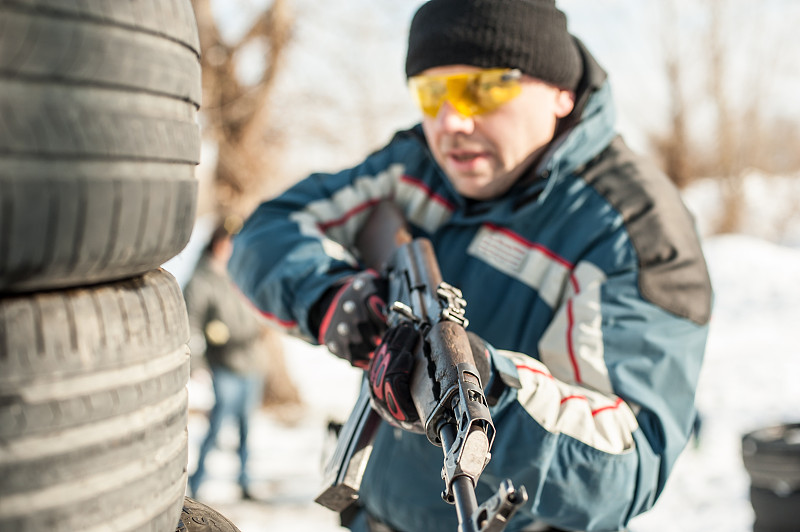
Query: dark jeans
[236, 398]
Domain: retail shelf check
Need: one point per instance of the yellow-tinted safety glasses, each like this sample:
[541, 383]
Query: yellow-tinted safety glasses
[470, 94]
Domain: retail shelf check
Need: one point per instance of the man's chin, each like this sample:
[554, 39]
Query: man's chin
[473, 188]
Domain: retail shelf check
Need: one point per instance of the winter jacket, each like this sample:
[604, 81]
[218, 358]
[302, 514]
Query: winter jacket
[224, 327]
[588, 280]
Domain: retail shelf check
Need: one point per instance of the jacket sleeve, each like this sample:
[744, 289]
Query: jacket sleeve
[603, 413]
[197, 298]
[298, 245]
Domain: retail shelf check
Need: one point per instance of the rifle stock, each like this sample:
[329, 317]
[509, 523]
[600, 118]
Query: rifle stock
[384, 232]
[446, 386]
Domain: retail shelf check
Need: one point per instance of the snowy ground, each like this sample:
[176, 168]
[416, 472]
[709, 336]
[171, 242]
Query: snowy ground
[286, 459]
[749, 380]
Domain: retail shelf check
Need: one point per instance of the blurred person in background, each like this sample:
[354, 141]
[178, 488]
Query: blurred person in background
[581, 266]
[226, 340]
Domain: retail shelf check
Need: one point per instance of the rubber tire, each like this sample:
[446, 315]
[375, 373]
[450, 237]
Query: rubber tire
[173, 19]
[98, 139]
[93, 407]
[198, 517]
[774, 512]
[772, 457]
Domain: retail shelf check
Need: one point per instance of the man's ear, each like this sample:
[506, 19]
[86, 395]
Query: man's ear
[565, 102]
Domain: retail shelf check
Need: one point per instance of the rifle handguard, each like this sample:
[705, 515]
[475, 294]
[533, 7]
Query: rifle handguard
[469, 453]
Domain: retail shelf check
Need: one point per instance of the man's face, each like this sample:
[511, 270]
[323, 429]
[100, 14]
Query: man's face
[484, 154]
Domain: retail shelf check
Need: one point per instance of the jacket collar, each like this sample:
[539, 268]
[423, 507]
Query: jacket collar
[580, 137]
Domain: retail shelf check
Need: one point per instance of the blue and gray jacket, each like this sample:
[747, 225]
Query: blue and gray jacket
[588, 280]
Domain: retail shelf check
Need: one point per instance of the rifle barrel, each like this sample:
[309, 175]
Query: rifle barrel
[464, 498]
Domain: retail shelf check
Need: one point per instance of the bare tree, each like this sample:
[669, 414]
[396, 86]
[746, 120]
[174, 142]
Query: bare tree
[236, 114]
[673, 147]
[235, 118]
[728, 160]
[347, 93]
[728, 51]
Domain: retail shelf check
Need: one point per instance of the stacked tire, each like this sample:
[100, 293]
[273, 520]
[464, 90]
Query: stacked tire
[772, 459]
[98, 144]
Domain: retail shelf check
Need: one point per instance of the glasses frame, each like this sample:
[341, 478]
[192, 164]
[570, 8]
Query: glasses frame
[470, 93]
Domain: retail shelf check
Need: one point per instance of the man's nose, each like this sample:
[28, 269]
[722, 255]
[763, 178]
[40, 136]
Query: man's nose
[449, 120]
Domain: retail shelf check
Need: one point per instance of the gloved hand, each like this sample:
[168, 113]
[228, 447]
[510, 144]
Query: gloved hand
[354, 320]
[390, 375]
[390, 378]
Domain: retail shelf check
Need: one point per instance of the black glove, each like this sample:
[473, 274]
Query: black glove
[390, 378]
[354, 321]
[390, 375]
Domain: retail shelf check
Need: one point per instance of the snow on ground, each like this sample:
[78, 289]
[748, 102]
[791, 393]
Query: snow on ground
[286, 458]
[749, 380]
[771, 210]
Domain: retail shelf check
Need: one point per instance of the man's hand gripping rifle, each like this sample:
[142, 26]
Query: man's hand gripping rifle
[446, 386]
[446, 389]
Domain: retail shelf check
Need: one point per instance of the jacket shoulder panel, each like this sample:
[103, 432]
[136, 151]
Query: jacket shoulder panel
[672, 269]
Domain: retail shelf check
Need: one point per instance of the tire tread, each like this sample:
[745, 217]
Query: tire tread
[92, 392]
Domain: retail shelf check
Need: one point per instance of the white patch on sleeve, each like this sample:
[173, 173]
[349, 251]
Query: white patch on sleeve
[572, 346]
[336, 221]
[422, 207]
[602, 421]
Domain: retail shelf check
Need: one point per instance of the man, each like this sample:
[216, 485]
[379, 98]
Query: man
[581, 267]
[226, 338]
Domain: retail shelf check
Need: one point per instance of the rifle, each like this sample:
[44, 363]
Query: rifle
[445, 385]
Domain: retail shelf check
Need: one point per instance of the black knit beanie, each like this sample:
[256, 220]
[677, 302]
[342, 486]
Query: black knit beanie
[530, 35]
